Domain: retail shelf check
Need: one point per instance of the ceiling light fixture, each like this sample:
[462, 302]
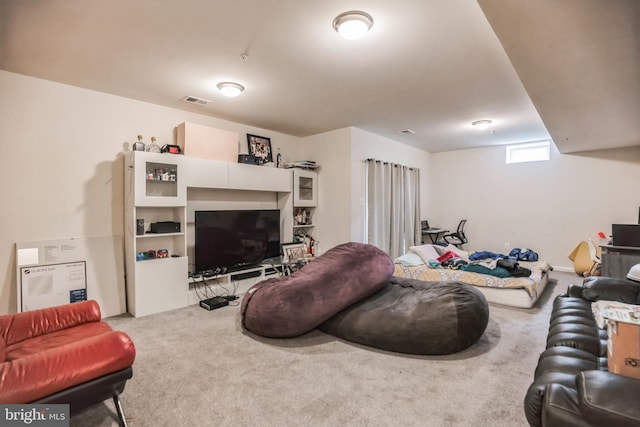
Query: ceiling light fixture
[230, 89]
[481, 124]
[353, 25]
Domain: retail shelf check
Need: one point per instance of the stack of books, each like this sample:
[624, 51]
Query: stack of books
[302, 164]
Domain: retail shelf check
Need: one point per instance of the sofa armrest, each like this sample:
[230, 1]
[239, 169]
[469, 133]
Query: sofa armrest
[29, 324]
[560, 407]
[611, 289]
[574, 291]
[533, 400]
[609, 399]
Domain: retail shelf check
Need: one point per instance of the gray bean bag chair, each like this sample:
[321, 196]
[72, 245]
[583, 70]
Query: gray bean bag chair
[293, 305]
[415, 317]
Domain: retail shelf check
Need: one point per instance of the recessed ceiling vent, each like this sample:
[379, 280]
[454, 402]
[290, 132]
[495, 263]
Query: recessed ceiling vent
[195, 100]
[407, 131]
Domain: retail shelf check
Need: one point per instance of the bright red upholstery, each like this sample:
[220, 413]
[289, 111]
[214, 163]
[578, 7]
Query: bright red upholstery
[53, 349]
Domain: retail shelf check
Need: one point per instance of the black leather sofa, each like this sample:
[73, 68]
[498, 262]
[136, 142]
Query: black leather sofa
[572, 386]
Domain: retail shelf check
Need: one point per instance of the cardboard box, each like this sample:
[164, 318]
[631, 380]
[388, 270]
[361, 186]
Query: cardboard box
[623, 348]
[207, 142]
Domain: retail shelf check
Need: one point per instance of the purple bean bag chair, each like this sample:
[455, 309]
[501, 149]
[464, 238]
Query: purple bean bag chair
[293, 305]
[415, 317]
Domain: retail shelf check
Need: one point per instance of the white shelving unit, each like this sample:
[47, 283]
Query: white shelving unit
[305, 201]
[156, 190]
[155, 193]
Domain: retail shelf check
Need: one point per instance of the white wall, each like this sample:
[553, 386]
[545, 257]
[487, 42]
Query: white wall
[62, 161]
[63, 173]
[341, 154]
[547, 206]
[331, 151]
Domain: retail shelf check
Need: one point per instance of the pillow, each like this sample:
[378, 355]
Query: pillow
[426, 252]
[409, 259]
[441, 250]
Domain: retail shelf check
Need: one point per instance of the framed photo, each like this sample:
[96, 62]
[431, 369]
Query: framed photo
[293, 252]
[260, 147]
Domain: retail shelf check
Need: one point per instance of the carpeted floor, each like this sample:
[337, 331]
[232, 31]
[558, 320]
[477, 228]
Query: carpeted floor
[199, 368]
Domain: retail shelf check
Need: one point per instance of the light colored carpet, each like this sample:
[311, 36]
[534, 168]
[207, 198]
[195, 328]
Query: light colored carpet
[199, 368]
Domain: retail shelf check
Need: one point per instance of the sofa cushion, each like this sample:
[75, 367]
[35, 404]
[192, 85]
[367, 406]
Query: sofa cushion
[570, 302]
[567, 364]
[43, 343]
[3, 350]
[29, 324]
[293, 305]
[37, 374]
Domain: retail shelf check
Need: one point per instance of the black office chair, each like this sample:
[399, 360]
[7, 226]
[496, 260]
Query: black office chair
[457, 238]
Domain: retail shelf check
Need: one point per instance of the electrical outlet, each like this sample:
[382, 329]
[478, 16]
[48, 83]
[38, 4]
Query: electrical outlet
[507, 246]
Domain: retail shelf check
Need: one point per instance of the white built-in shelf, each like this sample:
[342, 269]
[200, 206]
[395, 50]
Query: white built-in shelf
[161, 284]
[152, 235]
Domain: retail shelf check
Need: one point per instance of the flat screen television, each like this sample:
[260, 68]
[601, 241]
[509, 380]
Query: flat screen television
[232, 239]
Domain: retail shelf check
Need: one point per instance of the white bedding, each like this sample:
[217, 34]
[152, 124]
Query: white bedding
[520, 292]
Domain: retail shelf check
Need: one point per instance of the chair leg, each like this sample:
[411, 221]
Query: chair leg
[116, 401]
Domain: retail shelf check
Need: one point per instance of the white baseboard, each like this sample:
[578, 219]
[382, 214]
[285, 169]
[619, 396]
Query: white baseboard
[564, 269]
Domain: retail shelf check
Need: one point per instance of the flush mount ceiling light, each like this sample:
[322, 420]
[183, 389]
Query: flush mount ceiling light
[353, 25]
[481, 124]
[230, 89]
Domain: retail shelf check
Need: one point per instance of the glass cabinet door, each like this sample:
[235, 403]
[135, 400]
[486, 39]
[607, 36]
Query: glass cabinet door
[161, 180]
[305, 188]
[157, 179]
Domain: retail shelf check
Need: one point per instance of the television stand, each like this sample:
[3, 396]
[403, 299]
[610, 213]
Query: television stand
[244, 267]
[238, 275]
[227, 283]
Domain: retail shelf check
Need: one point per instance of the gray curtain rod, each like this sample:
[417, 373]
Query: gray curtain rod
[389, 163]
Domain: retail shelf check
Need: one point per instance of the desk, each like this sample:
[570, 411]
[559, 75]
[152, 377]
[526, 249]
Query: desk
[433, 233]
[617, 260]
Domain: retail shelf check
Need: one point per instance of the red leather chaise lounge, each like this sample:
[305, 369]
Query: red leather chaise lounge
[64, 354]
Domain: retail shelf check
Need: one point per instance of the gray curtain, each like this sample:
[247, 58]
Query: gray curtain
[393, 206]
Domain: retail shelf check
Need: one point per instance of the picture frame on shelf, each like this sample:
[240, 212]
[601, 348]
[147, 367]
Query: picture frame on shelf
[260, 148]
[293, 252]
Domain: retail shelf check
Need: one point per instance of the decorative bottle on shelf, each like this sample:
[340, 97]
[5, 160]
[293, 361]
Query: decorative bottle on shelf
[139, 145]
[278, 159]
[153, 147]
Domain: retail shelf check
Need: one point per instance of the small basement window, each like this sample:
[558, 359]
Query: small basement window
[529, 152]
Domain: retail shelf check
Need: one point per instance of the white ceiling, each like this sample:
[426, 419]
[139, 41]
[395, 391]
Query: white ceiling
[432, 66]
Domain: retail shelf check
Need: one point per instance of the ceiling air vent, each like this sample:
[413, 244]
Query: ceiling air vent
[407, 132]
[195, 100]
